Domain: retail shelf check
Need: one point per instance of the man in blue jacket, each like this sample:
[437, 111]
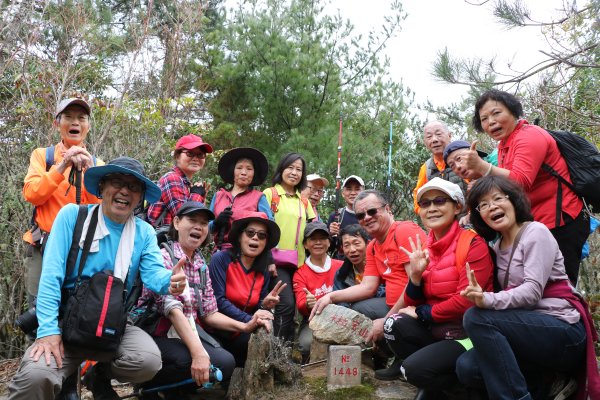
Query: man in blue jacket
[122, 244]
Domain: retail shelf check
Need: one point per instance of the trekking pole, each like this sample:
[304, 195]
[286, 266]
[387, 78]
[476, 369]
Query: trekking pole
[338, 177]
[215, 375]
[389, 179]
[78, 186]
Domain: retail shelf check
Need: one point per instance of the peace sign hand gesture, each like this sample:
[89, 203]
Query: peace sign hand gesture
[419, 259]
[473, 291]
[272, 299]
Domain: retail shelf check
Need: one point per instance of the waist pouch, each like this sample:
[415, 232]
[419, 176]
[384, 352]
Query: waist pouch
[94, 316]
[285, 258]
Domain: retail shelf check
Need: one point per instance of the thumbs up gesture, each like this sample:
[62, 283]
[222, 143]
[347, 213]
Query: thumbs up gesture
[178, 278]
[310, 299]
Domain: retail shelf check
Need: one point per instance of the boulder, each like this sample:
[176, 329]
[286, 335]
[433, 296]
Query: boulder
[340, 325]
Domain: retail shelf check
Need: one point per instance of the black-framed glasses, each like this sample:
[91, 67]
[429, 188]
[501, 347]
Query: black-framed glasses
[118, 183]
[437, 201]
[253, 232]
[191, 154]
[497, 199]
[371, 212]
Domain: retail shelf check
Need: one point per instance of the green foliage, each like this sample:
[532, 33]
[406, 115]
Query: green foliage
[274, 75]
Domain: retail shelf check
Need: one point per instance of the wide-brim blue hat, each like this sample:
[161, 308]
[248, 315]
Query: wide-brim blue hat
[121, 165]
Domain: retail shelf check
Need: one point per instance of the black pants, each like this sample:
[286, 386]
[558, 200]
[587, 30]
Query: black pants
[236, 344]
[283, 324]
[429, 363]
[570, 238]
[177, 361]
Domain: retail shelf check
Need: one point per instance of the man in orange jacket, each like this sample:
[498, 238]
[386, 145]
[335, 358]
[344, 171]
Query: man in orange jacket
[47, 184]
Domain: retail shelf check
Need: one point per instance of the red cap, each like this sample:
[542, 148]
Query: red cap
[190, 142]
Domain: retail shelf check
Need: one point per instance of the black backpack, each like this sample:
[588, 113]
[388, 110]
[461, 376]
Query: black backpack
[583, 161]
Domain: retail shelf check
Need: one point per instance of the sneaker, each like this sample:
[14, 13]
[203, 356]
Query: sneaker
[562, 388]
[391, 373]
[98, 382]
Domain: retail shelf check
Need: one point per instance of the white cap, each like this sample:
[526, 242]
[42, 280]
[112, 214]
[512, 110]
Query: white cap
[72, 101]
[353, 177]
[451, 189]
[317, 177]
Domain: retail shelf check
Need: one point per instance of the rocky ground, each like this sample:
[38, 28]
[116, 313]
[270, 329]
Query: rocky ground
[313, 385]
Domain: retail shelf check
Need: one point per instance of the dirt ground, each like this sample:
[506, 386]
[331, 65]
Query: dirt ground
[312, 386]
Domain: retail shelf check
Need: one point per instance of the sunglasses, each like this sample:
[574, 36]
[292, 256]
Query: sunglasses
[136, 186]
[438, 201]
[192, 154]
[251, 233]
[371, 212]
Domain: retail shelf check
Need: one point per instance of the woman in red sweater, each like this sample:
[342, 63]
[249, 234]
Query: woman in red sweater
[314, 279]
[427, 334]
[522, 151]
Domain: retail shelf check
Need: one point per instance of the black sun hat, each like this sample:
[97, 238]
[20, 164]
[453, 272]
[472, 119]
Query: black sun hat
[238, 225]
[229, 159]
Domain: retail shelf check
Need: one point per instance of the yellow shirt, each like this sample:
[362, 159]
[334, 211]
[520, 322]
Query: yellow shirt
[286, 218]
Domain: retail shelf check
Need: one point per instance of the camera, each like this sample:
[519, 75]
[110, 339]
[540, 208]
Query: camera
[27, 321]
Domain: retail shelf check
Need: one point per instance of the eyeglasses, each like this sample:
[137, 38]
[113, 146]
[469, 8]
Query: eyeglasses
[371, 212]
[117, 183]
[192, 154]
[251, 233]
[438, 201]
[497, 199]
[315, 190]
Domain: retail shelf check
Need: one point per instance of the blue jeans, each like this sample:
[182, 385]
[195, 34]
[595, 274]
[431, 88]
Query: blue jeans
[509, 343]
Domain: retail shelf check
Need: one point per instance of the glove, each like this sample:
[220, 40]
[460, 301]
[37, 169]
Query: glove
[198, 190]
[222, 219]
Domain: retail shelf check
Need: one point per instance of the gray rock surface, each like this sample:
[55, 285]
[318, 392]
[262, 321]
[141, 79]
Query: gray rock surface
[340, 325]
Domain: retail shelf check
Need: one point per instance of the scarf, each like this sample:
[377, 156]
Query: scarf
[125, 249]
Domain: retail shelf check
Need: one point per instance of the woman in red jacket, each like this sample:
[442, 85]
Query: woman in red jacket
[427, 334]
[523, 149]
[314, 279]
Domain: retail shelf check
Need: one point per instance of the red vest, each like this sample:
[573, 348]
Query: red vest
[245, 201]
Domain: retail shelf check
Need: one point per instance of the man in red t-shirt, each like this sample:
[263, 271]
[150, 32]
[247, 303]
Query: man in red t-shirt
[386, 263]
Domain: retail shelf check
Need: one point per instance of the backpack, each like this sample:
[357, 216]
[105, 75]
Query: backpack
[275, 199]
[465, 239]
[583, 161]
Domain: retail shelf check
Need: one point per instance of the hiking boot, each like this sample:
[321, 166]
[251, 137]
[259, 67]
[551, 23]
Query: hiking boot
[69, 389]
[98, 382]
[391, 373]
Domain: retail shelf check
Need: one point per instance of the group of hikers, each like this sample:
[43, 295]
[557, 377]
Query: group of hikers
[482, 302]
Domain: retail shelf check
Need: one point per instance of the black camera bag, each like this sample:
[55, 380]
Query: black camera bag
[94, 316]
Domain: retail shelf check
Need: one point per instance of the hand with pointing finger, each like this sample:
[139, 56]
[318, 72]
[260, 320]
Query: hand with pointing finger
[272, 299]
[476, 167]
[473, 291]
[178, 278]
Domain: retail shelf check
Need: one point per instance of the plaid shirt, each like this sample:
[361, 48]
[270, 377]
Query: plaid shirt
[175, 187]
[191, 307]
